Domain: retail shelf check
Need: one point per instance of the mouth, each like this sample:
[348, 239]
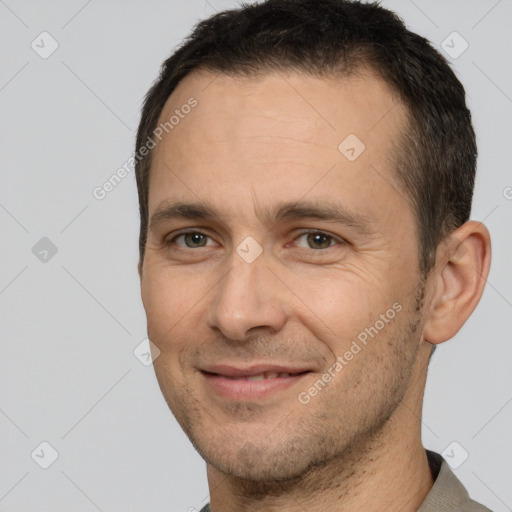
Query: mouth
[252, 383]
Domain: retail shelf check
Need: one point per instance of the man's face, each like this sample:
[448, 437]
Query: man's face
[285, 250]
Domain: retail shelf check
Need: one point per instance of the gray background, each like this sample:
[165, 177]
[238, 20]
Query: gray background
[69, 325]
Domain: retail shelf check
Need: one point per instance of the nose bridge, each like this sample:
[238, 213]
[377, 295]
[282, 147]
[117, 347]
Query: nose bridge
[247, 297]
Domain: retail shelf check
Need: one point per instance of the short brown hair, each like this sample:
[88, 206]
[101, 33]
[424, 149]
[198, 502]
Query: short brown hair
[435, 160]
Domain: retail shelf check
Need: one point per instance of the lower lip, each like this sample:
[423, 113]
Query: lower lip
[237, 389]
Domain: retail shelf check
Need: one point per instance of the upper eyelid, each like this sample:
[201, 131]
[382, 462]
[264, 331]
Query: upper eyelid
[308, 231]
[169, 239]
[335, 238]
[186, 231]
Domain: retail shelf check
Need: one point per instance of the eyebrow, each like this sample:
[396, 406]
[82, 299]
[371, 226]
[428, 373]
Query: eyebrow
[284, 212]
[186, 211]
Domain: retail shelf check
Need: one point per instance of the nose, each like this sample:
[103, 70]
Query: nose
[248, 298]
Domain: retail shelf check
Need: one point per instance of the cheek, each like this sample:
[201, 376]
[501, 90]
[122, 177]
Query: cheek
[172, 302]
[338, 306]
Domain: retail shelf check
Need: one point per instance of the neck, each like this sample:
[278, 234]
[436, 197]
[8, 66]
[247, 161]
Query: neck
[388, 470]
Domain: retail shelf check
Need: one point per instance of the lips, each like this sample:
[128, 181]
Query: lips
[262, 376]
[265, 371]
[251, 383]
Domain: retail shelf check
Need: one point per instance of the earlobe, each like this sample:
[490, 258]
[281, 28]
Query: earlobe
[460, 274]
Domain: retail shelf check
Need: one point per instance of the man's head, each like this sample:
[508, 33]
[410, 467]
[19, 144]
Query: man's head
[434, 156]
[301, 230]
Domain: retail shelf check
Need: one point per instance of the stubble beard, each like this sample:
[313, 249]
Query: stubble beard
[306, 444]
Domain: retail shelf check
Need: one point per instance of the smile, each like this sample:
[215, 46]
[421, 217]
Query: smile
[252, 383]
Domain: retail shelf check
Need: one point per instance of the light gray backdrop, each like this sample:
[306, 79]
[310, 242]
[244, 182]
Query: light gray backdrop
[72, 78]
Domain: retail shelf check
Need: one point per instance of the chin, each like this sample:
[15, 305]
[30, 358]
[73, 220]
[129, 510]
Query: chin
[264, 461]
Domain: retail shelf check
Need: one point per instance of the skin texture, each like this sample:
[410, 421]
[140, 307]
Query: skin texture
[250, 146]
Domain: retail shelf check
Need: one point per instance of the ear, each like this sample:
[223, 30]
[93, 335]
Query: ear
[460, 273]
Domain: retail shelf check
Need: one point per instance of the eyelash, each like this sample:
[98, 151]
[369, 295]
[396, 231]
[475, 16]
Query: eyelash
[332, 238]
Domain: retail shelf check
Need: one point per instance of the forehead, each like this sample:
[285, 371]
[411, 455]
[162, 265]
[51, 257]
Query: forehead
[307, 106]
[279, 136]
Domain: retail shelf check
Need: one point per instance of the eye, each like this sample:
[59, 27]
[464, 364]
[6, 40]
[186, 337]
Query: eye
[315, 240]
[191, 240]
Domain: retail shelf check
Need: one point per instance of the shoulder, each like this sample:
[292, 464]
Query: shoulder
[447, 494]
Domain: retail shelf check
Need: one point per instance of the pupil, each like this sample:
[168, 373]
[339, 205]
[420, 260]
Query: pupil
[194, 240]
[318, 240]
